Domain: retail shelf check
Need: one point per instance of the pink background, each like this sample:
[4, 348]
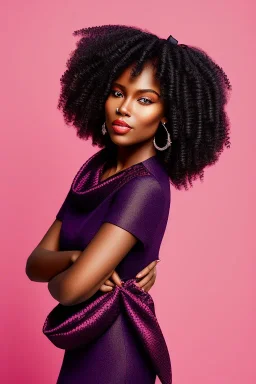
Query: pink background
[206, 272]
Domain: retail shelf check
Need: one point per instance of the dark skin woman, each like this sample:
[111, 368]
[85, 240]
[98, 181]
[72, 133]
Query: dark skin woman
[106, 81]
[142, 111]
[140, 105]
[156, 108]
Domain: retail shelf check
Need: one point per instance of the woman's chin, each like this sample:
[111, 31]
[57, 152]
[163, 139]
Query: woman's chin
[120, 139]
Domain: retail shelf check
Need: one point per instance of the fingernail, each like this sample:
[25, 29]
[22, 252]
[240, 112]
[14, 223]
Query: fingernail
[158, 260]
[139, 275]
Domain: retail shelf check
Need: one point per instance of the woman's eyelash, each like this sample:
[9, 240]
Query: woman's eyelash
[114, 91]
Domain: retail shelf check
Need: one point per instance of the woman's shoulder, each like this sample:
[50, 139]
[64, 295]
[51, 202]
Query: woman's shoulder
[144, 185]
[152, 180]
[157, 171]
[140, 194]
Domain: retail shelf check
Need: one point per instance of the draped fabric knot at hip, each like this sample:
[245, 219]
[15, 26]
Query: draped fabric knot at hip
[70, 327]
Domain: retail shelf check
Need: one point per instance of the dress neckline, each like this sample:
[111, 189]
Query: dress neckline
[99, 181]
[88, 191]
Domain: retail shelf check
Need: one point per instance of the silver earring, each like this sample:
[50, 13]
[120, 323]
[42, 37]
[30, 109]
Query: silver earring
[169, 142]
[103, 128]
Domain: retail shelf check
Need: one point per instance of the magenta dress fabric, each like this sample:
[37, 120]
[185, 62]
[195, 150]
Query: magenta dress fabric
[114, 337]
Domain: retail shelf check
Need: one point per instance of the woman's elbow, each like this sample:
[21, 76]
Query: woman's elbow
[70, 303]
[61, 291]
[65, 292]
[69, 300]
[55, 291]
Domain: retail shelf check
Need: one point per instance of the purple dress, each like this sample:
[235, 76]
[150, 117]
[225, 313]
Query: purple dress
[114, 337]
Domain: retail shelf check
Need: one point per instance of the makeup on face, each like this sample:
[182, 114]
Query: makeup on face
[154, 94]
[134, 106]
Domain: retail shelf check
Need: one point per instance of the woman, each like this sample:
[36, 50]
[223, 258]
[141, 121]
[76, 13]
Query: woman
[156, 108]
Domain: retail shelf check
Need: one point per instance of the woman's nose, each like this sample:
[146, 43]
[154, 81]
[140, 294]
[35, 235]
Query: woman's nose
[124, 109]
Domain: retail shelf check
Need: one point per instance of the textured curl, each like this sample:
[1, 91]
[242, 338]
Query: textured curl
[195, 90]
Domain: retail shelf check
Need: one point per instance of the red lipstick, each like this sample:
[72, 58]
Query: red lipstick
[120, 126]
[121, 122]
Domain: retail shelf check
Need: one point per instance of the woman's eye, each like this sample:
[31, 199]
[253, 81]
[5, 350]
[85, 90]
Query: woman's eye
[113, 92]
[150, 102]
[147, 101]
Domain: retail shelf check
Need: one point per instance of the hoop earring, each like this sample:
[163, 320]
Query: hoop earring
[103, 128]
[169, 142]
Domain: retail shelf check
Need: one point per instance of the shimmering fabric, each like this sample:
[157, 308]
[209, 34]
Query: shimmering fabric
[88, 192]
[114, 337]
[69, 327]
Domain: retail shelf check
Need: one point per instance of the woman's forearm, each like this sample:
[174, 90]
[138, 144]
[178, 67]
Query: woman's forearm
[62, 292]
[42, 265]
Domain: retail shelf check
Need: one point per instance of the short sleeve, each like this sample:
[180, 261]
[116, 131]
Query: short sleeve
[64, 206]
[138, 207]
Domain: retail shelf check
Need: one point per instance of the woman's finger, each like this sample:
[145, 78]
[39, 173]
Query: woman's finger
[150, 284]
[116, 279]
[105, 288]
[147, 269]
[109, 282]
[147, 278]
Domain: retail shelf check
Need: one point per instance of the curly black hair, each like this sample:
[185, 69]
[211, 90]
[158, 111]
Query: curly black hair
[194, 89]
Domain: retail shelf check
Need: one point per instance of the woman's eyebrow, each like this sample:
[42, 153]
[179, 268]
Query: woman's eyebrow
[139, 90]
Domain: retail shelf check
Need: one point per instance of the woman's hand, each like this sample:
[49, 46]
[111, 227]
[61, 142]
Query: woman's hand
[147, 279]
[147, 276]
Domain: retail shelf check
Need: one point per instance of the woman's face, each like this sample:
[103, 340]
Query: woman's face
[139, 104]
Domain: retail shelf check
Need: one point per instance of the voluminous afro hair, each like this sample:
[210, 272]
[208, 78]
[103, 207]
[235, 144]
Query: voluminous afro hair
[194, 89]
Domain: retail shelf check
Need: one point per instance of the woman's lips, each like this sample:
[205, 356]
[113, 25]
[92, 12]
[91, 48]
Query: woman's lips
[120, 129]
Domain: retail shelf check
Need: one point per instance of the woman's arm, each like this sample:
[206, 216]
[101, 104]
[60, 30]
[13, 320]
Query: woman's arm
[137, 210]
[46, 261]
[93, 267]
[145, 278]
